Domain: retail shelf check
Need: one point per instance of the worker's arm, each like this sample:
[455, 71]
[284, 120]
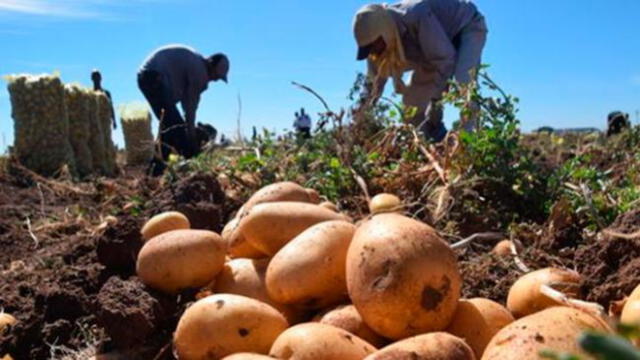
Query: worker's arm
[374, 84]
[437, 49]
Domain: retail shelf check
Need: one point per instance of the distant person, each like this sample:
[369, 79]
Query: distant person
[178, 74]
[96, 77]
[436, 39]
[616, 122]
[302, 124]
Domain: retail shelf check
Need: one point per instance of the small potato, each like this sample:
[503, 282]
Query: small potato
[438, 345]
[503, 248]
[6, 320]
[246, 277]
[224, 324]
[525, 297]
[314, 341]
[555, 328]
[247, 356]
[237, 246]
[181, 259]
[163, 223]
[477, 321]
[402, 277]
[329, 205]
[310, 270]
[385, 203]
[270, 226]
[346, 317]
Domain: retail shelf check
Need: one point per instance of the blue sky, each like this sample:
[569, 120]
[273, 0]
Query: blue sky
[570, 61]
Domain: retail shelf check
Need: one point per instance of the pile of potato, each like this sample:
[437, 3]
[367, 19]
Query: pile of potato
[290, 278]
[59, 125]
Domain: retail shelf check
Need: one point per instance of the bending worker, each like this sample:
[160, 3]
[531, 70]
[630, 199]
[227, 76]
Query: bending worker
[175, 74]
[436, 39]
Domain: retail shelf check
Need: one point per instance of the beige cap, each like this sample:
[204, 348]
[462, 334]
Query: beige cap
[372, 22]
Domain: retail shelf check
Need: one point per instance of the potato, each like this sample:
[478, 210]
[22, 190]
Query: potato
[503, 248]
[555, 328]
[181, 259]
[635, 294]
[402, 277]
[163, 223]
[6, 320]
[310, 270]
[224, 324]
[525, 297]
[247, 356]
[314, 341]
[437, 345]
[281, 191]
[237, 246]
[477, 321]
[631, 313]
[346, 317]
[329, 205]
[246, 277]
[270, 226]
[385, 203]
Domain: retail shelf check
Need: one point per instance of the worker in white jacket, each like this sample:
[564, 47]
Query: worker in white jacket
[436, 39]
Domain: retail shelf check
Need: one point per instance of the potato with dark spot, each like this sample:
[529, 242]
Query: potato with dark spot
[346, 317]
[224, 324]
[310, 270]
[477, 321]
[181, 259]
[402, 277]
[433, 346]
[270, 226]
[314, 341]
[246, 277]
[556, 329]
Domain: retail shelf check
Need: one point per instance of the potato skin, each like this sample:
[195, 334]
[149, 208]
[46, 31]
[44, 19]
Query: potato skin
[346, 317]
[280, 191]
[310, 270]
[181, 259]
[402, 277]
[503, 248]
[314, 341]
[555, 328]
[525, 297]
[246, 277]
[477, 321]
[237, 246]
[385, 203]
[635, 294]
[437, 345]
[270, 226]
[164, 222]
[224, 324]
[6, 320]
[631, 313]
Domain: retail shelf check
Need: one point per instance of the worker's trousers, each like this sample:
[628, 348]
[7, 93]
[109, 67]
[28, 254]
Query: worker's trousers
[173, 132]
[425, 90]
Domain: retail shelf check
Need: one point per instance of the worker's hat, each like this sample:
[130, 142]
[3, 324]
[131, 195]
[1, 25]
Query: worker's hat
[370, 23]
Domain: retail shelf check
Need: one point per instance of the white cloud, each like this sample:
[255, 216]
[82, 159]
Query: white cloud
[102, 9]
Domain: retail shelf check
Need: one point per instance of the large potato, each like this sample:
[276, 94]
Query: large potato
[221, 325]
[402, 277]
[433, 346]
[270, 226]
[348, 318]
[556, 328]
[246, 277]
[310, 270]
[525, 297]
[181, 259]
[477, 321]
[281, 191]
[314, 341]
[163, 223]
[237, 246]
